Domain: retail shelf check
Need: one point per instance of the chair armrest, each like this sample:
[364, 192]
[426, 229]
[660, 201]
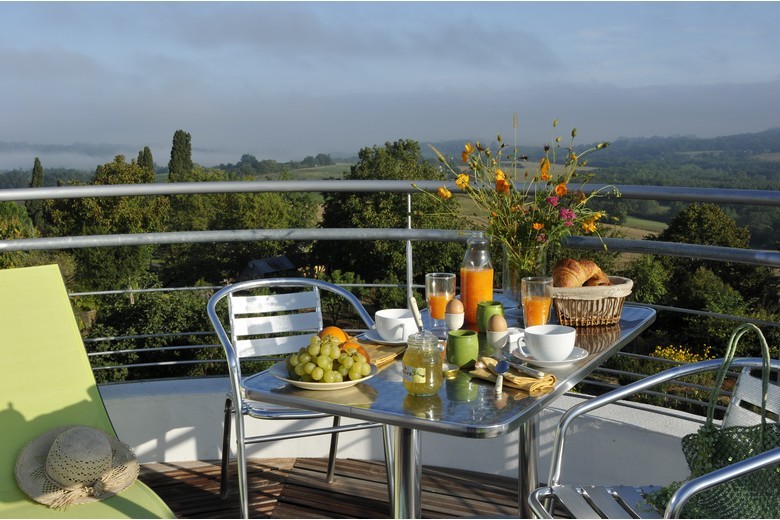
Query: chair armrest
[627, 391]
[690, 489]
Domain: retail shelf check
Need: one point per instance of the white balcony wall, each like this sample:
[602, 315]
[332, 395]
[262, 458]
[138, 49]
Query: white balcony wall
[181, 420]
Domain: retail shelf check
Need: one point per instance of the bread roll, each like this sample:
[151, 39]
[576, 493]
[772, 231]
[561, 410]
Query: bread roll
[577, 273]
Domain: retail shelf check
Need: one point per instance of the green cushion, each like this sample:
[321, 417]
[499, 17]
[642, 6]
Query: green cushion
[45, 382]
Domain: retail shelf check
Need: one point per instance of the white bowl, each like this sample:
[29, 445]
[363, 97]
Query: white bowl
[395, 324]
[550, 342]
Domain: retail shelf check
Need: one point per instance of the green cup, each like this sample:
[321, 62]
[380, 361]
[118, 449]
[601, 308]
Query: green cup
[485, 310]
[462, 347]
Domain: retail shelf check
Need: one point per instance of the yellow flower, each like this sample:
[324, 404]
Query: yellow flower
[538, 226]
[561, 189]
[467, 150]
[589, 226]
[544, 169]
[462, 181]
[444, 193]
[500, 174]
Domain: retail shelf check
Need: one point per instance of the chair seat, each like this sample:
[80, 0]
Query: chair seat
[597, 501]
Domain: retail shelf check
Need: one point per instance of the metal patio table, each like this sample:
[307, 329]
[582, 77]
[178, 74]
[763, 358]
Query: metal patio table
[383, 399]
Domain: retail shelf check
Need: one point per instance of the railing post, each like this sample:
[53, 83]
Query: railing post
[409, 270]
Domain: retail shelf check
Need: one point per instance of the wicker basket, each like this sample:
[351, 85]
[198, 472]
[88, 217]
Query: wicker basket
[587, 306]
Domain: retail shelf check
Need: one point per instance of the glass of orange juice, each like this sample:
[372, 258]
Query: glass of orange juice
[439, 290]
[536, 298]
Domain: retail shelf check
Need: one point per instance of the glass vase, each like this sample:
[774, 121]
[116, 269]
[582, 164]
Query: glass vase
[529, 261]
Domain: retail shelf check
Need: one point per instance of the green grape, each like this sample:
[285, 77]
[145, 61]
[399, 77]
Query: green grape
[314, 340]
[342, 357]
[339, 377]
[359, 358]
[306, 378]
[365, 369]
[299, 371]
[329, 376]
[325, 349]
[351, 351]
[343, 371]
[354, 373]
[317, 374]
[324, 362]
[348, 362]
[335, 353]
[292, 360]
[308, 367]
[304, 358]
[314, 349]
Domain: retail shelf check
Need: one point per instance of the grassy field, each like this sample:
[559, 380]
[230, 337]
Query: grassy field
[334, 171]
[644, 225]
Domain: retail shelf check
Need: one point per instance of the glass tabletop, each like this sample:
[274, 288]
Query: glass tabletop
[464, 406]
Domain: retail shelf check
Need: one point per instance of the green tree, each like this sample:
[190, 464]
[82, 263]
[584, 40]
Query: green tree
[649, 277]
[180, 165]
[100, 268]
[35, 208]
[145, 159]
[400, 160]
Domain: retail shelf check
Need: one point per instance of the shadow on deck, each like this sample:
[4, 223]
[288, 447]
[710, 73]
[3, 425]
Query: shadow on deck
[296, 488]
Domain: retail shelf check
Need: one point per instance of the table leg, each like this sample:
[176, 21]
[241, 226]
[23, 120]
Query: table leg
[526, 467]
[407, 470]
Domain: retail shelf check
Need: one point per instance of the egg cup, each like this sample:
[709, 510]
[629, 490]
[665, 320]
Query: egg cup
[454, 321]
[497, 339]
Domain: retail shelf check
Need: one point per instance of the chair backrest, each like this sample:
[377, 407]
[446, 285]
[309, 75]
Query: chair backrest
[46, 382]
[745, 405]
[273, 323]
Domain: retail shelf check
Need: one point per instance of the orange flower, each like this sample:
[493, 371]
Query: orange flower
[561, 189]
[544, 169]
[502, 186]
[462, 181]
[538, 226]
[589, 226]
[444, 193]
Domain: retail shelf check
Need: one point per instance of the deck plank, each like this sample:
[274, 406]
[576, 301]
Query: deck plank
[296, 488]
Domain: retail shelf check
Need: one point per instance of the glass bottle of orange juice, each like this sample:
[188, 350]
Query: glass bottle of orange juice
[476, 275]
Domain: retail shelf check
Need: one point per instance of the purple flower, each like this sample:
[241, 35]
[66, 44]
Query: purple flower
[567, 214]
[552, 200]
[568, 223]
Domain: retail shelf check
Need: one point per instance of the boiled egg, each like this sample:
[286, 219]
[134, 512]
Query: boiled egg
[454, 306]
[497, 323]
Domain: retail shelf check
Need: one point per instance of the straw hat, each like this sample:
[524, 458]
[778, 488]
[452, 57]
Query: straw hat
[74, 465]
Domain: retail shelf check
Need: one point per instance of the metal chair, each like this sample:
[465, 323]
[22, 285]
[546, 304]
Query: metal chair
[46, 382]
[268, 326]
[585, 501]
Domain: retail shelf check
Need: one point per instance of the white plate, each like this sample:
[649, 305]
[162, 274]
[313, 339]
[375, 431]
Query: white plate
[374, 337]
[279, 371]
[521, 354]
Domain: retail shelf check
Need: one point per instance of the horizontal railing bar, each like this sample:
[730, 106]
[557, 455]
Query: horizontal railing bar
[147, 350]
[148, 336]
[244, 235]
[628, 191]
[674, 397]
[702, 252]
[160, 364]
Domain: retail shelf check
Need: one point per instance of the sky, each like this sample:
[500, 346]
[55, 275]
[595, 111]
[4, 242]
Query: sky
[83, 82]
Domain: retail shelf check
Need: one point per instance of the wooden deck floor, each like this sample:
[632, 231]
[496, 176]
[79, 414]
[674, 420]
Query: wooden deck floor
[296, 488]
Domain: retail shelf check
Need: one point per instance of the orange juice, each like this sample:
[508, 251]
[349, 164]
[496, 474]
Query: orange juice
[437, 304]
[536, 310]
[476, 285]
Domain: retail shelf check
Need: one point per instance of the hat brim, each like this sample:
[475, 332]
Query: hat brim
[32, 479]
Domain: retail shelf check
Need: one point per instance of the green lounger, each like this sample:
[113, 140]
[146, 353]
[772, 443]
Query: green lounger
[46, 382]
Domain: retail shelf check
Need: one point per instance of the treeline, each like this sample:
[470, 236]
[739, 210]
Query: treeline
[249, 165]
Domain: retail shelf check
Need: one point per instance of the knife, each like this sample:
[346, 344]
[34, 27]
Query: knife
[524, 368]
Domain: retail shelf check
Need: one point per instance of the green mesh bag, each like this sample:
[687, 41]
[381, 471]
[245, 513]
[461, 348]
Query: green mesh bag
[756, 495]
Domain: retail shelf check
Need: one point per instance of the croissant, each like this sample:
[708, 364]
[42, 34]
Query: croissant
[576, 273]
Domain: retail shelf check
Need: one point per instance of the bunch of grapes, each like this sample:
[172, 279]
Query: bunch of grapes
[324, 361]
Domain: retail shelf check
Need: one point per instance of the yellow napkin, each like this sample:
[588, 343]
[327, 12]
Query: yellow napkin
[535, 387]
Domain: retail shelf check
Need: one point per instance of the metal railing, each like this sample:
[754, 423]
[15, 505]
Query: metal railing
[725, 196]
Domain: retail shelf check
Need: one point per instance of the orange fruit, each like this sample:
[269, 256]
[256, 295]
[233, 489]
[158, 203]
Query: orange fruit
[357, 346]
[335, 332]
